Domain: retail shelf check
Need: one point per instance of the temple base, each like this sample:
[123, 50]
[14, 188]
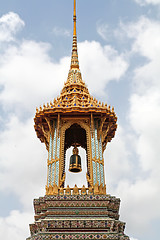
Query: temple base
[77, 217]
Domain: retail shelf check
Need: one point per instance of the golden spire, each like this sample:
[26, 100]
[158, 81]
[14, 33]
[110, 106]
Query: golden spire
[74, 58]
[74, 18]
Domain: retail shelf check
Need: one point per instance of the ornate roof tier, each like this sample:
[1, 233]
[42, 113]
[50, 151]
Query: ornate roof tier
[76, 102]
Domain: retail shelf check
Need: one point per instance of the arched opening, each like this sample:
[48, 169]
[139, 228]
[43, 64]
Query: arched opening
[75, 135]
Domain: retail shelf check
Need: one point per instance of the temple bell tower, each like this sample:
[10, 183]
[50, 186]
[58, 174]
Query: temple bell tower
[76, 119]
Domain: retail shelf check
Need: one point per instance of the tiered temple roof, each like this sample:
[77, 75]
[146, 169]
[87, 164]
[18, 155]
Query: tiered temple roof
[75, 99]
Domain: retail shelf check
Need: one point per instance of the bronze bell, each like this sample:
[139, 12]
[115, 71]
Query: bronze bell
[75, 162]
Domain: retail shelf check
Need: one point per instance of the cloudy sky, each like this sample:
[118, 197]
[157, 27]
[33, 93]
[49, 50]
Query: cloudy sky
[119, 53]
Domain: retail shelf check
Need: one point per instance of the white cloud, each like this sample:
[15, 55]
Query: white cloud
[142, 32]
[61, 32]
[10, 24]
[15, 226]
[108, 33]
[132, 159]
[147, 107]
[141, 195]
[145, 102]
[145, 2]
[28, 76]
[117, 154]
[22, 161]
[147, 44]
[100, 65]
[140, 204]
[103, 30]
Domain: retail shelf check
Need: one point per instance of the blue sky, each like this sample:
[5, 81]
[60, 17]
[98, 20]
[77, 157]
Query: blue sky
[119, 54]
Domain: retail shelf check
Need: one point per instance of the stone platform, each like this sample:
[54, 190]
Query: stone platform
[77, 217]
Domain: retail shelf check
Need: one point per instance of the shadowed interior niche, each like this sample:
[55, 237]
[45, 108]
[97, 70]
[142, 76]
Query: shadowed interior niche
[75, 136]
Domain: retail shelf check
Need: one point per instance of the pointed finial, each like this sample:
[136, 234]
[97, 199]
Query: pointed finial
[74, 18]
[74, 58]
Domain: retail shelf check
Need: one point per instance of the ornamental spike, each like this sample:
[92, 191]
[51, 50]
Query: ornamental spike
[74, 58]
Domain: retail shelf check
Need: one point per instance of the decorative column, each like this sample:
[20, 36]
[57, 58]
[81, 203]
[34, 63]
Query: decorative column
[97, 155]
[53, 159]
